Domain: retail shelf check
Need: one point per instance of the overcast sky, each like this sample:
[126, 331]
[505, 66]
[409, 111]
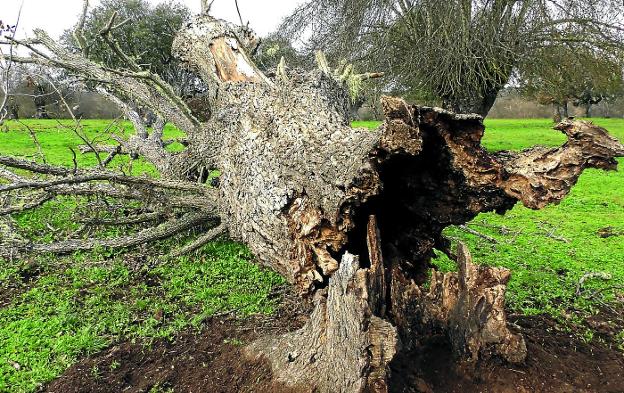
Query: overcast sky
[55, 16]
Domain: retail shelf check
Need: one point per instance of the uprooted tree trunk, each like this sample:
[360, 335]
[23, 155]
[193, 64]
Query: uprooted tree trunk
[349, 216]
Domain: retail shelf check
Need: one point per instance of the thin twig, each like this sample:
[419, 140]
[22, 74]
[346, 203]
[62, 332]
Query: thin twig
[239, 13]
[78, 126]
[33, 136]
[478, 234]
[591, 275]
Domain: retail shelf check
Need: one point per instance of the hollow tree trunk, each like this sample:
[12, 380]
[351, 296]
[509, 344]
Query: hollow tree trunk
[349, 216]
[352, 216]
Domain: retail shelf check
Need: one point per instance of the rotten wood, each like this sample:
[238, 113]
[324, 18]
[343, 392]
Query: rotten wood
[347, 215]
[344, 347]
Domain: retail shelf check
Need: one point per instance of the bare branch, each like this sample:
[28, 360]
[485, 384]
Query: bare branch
[200, 241]
[79, 30]
[5, 173]
[140, 219]
[240, 18]
[111, 155]
[34, 203]
[78, 127]
[163, 231]
[83, 176]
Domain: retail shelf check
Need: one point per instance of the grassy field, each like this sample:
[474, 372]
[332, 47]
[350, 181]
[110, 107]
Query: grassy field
[54, 310]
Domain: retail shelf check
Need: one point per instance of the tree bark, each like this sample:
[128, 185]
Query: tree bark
[556, 113]
[343, 331]
[352, 216]
[479, 104]
[349, 216]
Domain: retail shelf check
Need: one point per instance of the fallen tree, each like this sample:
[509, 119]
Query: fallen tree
[351, 217]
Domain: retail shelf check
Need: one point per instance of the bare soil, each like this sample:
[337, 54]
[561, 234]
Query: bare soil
[212, 361]
[208, 361]
[558, 362]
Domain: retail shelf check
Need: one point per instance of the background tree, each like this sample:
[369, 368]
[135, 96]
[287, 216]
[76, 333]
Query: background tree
[273, 48]
[462, 52]
[560, 76]
[144, 32]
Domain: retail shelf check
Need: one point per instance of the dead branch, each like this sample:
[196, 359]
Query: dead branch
[145, 87]
[34, 202]
[478, 234]
[590, 276]
[78, 32]
[5, 173]
[133, 220]
[83, 176]
[200, 241]
[146, 236]
[84, 149]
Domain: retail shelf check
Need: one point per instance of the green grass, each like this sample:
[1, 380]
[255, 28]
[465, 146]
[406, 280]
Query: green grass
[64, 308]
[56, 137]
[81, 304]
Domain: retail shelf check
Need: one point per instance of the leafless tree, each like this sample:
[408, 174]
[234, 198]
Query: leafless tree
[460, 52]
[581, 78]
[349, 216]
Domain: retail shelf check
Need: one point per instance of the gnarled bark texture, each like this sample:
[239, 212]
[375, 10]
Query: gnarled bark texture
[305, 191]
[348, 215]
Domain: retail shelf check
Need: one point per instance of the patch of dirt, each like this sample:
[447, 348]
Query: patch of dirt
[557, 362]
[608, 232]
[212, 361]
[208, 361]
[11, 289]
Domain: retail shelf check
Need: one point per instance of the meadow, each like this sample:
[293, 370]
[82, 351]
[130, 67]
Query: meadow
[54, 310]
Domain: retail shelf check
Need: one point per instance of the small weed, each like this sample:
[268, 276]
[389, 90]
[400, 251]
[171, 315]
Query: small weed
[95, 372]
[160, 389]
[587, 335]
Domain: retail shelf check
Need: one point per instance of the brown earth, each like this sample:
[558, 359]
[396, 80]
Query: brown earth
[212, 361]
[557, 362]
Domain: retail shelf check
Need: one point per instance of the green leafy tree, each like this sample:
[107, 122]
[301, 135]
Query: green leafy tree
[144, 32]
